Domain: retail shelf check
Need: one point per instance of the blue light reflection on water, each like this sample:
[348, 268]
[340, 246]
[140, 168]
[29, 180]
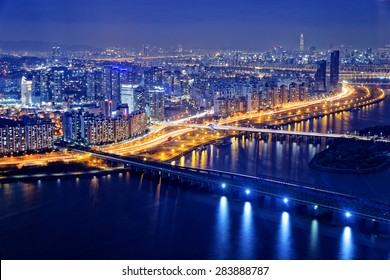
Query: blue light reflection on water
[346, 244]
[102, 220]
[285, 239]
[246, 240]
[222, 230]
[314, 238]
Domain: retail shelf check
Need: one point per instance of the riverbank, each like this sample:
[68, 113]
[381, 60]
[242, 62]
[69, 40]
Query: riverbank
[350, 156]
[53, 176]
[53, 170]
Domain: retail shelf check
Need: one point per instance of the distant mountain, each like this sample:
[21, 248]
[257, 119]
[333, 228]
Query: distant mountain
[42, 46]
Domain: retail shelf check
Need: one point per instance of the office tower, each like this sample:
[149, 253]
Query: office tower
[26, 87]
[128, 96]
[107, 83]
[98, 82]
[44, 86]
[111, 86]
[334, 68]
[156, 97]
[153, 76]
[302, 43]
[320, 76]
[116, 87]
[90, 85]
[140, 99]
[57, 84]
[36, 87]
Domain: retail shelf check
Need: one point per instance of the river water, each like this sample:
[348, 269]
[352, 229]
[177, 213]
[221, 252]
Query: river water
[127, 216]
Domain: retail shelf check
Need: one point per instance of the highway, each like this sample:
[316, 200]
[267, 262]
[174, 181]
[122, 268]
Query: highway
[282, 132]
[346, 99]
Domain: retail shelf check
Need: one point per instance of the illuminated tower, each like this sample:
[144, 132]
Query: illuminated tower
[334, 67]
[26, 87]
[320, 76]
[302, 43]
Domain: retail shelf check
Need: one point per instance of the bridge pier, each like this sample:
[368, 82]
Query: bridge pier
[174, 179]
[329, 140]
[264, 136]
[282, 137]
[164, 177]
[147, 173]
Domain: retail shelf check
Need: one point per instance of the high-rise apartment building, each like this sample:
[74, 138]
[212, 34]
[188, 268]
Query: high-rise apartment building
[29, 134]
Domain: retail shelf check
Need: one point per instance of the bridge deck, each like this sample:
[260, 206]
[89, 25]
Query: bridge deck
[274, 187]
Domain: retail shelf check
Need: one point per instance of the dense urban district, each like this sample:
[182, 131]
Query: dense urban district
[155, 104]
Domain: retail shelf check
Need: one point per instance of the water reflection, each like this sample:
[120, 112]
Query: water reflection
[313, 239]
[156, 205]
[28, 192]
[93, 193]
[284, 241]
[247, 242]
[222, 234]
[346, 245]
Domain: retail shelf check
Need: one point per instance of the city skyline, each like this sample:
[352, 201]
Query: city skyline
[197, 130]
[198, 24]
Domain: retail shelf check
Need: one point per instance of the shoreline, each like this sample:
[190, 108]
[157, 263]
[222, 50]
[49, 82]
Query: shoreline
[51, 176]
[314, 165]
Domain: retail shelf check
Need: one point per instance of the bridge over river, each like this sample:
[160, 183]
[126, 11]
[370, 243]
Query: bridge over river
[313, 199]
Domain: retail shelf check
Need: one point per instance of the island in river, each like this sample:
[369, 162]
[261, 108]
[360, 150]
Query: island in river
[353, 156]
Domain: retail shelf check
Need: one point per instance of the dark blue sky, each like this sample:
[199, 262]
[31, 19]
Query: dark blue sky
[238, 24]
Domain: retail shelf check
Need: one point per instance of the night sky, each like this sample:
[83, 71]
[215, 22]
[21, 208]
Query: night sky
[234, 24]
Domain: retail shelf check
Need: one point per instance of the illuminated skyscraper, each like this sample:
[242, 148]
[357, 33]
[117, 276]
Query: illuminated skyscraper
[302, 43]
[57, 84]
[334, 68]
[128, 96]
[156, 97]
[26, 87]
[320, 76]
